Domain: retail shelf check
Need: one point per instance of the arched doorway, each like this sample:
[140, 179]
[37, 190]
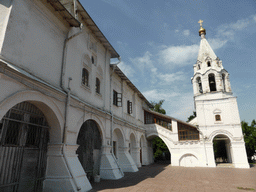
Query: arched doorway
[118, 143]
[132, 147]
[222, 149]
[89, 150]
[161, 152]
[24, 135]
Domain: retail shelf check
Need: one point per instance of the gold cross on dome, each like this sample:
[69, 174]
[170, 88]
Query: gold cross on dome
[200, 21]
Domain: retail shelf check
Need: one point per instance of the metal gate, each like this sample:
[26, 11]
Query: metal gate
[24, 135]
[89, 150]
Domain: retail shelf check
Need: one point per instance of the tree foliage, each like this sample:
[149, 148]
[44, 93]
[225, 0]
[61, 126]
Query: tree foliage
[160, 150]
[157, 106]
[191, 116]
[249, 138]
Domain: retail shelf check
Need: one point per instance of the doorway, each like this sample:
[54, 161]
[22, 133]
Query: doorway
[89, 150]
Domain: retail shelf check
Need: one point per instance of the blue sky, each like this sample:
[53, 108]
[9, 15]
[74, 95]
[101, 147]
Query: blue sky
[159, 42]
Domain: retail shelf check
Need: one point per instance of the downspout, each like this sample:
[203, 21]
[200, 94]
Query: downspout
[111, 99]
[111, 112]
[67, 91]
[206, 158]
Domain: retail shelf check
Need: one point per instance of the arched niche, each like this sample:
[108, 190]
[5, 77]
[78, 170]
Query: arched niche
[89, 151]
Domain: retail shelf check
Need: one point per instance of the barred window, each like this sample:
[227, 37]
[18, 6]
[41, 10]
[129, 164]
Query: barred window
[186, 132]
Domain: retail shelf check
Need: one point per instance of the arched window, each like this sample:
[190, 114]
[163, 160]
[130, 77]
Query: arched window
[212, 83]
[85, 77]
[97, 85]
[199, 83]
[223, 81]
[208, 64]
[198, 67]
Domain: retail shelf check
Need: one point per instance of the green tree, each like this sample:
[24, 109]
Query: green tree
[249, 138]
[191, 116]
[160, 150]
[157, 106]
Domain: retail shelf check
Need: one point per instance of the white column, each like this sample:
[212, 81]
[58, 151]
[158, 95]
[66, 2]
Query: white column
[239, 156]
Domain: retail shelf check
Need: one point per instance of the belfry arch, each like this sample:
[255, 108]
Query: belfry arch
[89, 151]
[212, 82]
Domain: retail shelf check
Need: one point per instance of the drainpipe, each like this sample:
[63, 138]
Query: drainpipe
[111, 108]
[112, 116]
[206, 158]
[67, 90]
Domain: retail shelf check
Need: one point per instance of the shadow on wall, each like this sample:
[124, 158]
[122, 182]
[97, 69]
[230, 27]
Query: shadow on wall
[130, 179]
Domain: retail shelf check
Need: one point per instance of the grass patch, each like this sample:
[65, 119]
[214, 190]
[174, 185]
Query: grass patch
[245, 188]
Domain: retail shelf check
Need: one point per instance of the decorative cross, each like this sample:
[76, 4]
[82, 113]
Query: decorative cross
[200, 21]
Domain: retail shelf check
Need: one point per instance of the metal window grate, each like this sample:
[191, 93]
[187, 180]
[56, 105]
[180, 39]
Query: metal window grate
[24, 134]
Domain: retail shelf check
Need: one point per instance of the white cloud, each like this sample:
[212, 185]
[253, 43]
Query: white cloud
[228, 30]
[127, 69]
[156, 94]
[186, 32]
[177, 105]
[179, 55]
[172, 77]
[144, 61]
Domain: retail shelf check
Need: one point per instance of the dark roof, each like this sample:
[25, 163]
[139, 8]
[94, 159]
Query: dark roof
[59, 7]
[168, 117]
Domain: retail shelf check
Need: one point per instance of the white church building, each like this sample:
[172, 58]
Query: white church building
[69, 116]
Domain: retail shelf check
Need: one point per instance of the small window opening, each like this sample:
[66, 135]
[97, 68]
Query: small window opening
[199, 67]
[212, 82]
[217, 118]
[85, 77]
[97, 85]
[208, 63]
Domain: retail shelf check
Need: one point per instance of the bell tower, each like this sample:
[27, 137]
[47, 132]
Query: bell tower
[216, 107]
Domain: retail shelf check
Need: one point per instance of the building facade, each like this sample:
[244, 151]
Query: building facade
[69, 116]
[216, 108]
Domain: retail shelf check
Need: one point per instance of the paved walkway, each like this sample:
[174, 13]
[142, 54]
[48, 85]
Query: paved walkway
[165, 178]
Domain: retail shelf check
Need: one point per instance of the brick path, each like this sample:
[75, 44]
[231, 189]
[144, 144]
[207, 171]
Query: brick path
[162, 177]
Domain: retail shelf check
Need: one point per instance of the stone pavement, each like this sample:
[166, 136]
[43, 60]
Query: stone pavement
[165, 178]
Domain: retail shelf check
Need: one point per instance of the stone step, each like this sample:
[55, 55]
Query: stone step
[225, 165]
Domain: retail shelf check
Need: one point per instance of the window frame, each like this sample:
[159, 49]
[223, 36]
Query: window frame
[117, 99]
[129, 107]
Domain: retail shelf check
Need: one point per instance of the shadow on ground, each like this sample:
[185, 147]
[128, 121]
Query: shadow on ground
[131, 179]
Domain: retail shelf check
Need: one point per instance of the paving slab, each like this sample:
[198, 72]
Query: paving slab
[164, 178]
